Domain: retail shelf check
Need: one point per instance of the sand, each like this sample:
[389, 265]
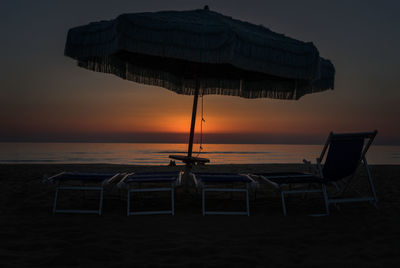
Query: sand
[355, 235]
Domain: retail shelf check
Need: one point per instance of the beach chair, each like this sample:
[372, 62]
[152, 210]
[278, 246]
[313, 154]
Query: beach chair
[134, 183]
[212, 182]
[96, 181]
[345, 153]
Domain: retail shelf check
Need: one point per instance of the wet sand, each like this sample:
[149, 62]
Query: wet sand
[355, 235]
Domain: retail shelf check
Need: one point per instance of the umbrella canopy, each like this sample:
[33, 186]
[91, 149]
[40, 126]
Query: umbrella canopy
[172, 49]
[201, 52]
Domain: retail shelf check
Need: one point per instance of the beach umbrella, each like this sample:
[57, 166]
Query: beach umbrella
[201, 52]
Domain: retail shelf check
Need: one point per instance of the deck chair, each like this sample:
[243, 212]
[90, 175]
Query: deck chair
[134, 183]
[212, 182]
[343, 154]
[96, 181]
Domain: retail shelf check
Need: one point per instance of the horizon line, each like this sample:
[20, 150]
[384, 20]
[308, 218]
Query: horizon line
[195, 143]
[179, 138]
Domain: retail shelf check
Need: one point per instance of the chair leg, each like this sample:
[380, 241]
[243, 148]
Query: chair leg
[371, 184]
[247, 201]
[172, 201]
[325, 198]
[55, 201]
[283, 203]
[203, 200]
[128, 203]
[101, 201]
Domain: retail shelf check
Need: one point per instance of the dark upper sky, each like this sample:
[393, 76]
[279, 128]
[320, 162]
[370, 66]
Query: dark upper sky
[44, 95]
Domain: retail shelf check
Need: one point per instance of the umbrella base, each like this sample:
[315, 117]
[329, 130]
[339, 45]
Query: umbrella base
[190, 159]
[187, 181]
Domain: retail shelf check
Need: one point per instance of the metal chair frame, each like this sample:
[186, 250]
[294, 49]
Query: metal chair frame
[204, 189]
[323, 186]
[131, 189]
[99, 187]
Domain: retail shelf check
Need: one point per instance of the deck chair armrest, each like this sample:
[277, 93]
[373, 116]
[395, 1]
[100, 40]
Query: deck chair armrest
[121, 183]
[253, 184]
[52, 179]
[274, 184]
[113, 178]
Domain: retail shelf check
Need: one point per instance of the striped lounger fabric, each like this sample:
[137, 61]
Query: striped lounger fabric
[96, 181]
[134, 182]
[210, 182]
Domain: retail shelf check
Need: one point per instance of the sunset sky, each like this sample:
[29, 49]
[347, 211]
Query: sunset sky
[44, 96]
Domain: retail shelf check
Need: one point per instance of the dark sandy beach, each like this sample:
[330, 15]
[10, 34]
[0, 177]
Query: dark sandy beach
[31, 236]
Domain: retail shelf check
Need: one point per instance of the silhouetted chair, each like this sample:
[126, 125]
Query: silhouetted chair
[134, 183]
[216, 182]
[346, 152]
[92, 181]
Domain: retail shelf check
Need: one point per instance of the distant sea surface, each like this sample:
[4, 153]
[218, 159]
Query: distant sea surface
[157, 153]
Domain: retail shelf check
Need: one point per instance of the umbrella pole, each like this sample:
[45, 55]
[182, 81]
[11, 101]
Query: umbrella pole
[192, 126]
[188, 167]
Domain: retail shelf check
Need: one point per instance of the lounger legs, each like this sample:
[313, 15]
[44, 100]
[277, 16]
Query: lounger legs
[170, 189]
[173, 201]
[371, 184]
[55, 200]
[205, 212]
[325, 199]
[128, 200]
[283, 203]
[203, 201]
[371, 199]
[247, 201]
[95, 188]
[323, 190]
[101, 201]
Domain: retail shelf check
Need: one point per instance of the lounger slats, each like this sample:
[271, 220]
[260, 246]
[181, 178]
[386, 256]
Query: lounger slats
[152, 177]
[130, 181]
[291, 178]
[220, 178]
[99, 178]
[149, 179]
[74, 176]
[203, 179]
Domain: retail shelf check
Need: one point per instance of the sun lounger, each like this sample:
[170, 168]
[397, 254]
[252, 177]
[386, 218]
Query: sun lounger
[212, 182]
[134, 183]
[345, 153]
[96, 181]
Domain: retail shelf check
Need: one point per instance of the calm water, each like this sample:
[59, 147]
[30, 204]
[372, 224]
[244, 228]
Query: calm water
[157, 154]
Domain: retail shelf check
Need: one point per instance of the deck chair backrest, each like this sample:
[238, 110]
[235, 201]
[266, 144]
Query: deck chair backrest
[345, 154]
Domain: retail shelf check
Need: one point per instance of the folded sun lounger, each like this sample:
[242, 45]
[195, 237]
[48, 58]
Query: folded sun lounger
[96, 181]
[210, 182]
[134, 182]
[345, 153]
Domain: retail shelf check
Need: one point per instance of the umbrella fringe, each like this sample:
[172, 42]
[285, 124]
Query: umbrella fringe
[290, 89]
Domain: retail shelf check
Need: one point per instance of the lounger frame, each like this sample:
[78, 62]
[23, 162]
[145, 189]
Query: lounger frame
[99, 187]
[323, 186]
[131, 189]
[369, 136]
[204, 189]
[283, 192]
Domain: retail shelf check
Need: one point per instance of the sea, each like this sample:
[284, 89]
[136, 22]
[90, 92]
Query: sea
[157, 153]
